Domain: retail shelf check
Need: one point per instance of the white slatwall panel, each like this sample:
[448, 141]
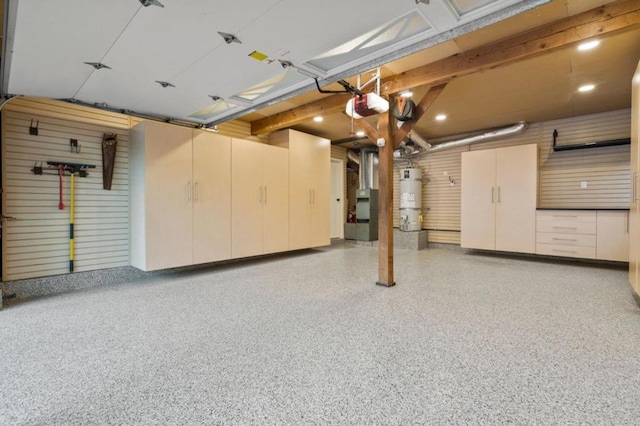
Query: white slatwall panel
[37, 244]
[605, 169]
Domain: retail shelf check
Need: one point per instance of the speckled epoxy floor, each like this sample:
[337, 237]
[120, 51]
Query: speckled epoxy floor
[309, 339]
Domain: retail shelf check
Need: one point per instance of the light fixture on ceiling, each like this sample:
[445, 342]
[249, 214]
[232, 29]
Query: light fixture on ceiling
[360, 133]
[406, 93]
[588, 45]
[441, 117]
[229, 38]
[586, 88]
[422, 1]
[165, 84]
[98, 65]
[147, 3]
[318, 119]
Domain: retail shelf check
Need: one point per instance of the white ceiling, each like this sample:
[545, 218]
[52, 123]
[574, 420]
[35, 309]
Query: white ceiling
[48, 43]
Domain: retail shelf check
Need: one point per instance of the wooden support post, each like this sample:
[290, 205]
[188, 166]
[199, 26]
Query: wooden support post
[385, 204]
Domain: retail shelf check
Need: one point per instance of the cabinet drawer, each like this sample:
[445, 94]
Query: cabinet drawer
[566, 250]
[566, 216]
[566, 240]
[567, 227]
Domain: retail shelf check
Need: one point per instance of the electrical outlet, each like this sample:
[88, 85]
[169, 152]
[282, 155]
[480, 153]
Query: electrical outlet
[583, 184]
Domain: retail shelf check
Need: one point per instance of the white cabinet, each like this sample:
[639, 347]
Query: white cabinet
[211, 197]
[309, 188]
[587, 234]
[568, 233]
[634, 208]
[499, 197]
[178, 203]
[613, 235]
[260, 195]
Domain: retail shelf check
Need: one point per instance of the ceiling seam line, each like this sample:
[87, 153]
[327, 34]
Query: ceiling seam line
[175, 77]
[107, 52]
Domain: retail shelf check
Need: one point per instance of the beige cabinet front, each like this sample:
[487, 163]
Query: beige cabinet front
[180, 196]
[161, 197]
[309, 188]
[634, 208]
[613, 235]
[259, 206]
[211, 197]
[499, 194]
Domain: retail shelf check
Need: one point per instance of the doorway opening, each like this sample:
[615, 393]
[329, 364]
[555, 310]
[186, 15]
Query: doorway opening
[337, 198]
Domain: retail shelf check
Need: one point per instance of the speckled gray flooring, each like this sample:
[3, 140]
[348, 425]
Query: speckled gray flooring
[309, 339]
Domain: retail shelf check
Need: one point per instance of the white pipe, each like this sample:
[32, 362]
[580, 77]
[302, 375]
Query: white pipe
[353, 157]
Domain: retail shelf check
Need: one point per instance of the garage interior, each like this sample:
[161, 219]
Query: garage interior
[195, 215]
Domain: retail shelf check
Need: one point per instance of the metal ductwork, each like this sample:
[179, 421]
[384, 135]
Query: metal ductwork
[369, 168]
[353, 157]
[407, 151]
[482, 137]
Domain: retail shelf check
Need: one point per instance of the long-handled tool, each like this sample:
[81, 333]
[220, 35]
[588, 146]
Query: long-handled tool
[72, 168]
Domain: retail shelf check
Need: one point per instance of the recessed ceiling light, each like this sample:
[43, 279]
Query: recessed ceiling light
[360, 133]
[586, 88]
[588, 45]
[441, 117]
[406, 94]
[318, 119]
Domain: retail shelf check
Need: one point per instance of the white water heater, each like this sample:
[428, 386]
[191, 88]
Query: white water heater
[410, 199]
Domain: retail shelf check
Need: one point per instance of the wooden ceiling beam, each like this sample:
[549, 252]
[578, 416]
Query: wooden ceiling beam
[608, 19]
[427, 100]
[368, 129]
[327, 105]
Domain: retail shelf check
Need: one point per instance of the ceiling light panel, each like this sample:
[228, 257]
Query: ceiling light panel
[389, 34]
[50, 62]
[462, 7]
[317, 26]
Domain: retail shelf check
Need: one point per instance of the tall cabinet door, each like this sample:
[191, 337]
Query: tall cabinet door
[634, 208]
[516, 198]
[168, 196]
[275, 214]
[247, 196]
[320, 166]
[300, 150]
[211, 197]
[479, 194]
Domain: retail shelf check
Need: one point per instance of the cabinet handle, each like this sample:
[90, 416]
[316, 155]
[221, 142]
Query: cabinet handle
[564, 239]
[188, 191]
[628, 214]
[313, 192]
[265, 194]
[492, 194]
[566, 227]
[498, 194]
[565, 251]
[309, 196]
[566, 216]
[196, 192]
[260, 194]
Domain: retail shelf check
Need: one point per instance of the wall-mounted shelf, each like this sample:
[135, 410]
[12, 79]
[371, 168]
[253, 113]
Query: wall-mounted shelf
[584, 145]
